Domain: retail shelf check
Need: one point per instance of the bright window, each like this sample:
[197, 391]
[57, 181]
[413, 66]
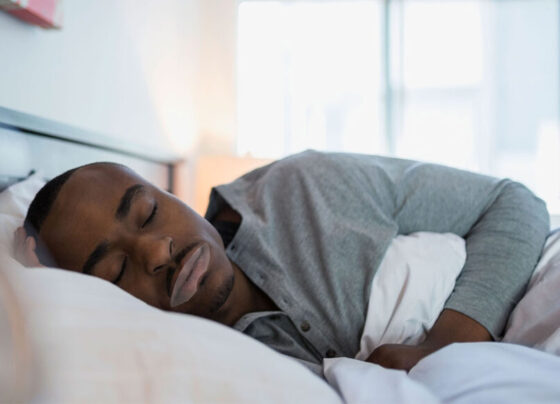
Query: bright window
[472, 84]
[309, 76]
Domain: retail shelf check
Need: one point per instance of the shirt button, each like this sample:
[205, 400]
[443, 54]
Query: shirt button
[331, 353]
[304, 326]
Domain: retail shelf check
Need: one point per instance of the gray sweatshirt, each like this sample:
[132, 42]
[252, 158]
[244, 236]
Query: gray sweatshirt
[315, 227]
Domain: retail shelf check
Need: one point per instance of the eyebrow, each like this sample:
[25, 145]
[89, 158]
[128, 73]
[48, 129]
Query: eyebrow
[126, 200]
[96, 256]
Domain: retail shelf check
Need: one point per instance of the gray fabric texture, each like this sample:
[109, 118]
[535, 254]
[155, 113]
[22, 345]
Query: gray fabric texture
[315, 227]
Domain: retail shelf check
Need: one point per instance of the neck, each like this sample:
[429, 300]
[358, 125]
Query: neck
[245, 297]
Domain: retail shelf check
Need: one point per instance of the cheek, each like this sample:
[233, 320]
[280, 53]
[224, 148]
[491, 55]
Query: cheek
[186, 221]
[181, 223]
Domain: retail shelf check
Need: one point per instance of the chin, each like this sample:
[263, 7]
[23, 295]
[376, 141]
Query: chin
[214, 291]
[222, 295]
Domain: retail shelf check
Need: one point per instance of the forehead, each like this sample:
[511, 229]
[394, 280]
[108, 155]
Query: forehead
[83, 211]
[97, 184]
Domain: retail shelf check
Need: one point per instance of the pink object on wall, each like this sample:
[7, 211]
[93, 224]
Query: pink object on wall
[44, 13]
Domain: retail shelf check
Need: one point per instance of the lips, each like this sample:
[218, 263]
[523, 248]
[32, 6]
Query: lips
[187, 282]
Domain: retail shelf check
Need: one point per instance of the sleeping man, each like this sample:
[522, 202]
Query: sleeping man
[286, 254]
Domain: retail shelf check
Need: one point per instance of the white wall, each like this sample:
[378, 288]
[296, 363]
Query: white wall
[158, 71]
[216, 84]
[124, 68]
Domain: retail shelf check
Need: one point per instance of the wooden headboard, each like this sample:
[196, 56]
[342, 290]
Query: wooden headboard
[30, 143]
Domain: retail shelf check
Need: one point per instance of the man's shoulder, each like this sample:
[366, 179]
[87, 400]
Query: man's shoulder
[311, 159]
[321, 168]
[316, 162]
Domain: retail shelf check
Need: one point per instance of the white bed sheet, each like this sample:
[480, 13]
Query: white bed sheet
[468, 373]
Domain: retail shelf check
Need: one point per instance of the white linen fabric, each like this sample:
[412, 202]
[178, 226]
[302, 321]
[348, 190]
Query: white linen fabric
[490, 372]
[410, 288]
[468, 373]
[362, 382]
[460, 373]
[14, 202]
[96, 343]
[535, 321]
[418, 274]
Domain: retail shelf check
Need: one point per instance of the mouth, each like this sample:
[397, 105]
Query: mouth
[184, 281]
[179, 260]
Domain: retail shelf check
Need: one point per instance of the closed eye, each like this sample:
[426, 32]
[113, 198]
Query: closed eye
[151, 217]
[123, 266]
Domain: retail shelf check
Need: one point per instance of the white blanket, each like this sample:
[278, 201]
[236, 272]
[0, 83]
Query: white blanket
[468, 373]
[411, 285]
[408, 292]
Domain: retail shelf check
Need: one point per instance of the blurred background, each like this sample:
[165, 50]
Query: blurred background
[232, 84]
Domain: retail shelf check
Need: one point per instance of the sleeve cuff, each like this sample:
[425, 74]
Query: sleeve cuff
[492, 314]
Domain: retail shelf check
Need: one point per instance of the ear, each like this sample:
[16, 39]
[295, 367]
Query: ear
[19, 239]
[25, 248]
[30, 244]
[31, 253]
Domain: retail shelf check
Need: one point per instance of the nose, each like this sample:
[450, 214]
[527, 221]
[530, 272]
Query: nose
[155, 253]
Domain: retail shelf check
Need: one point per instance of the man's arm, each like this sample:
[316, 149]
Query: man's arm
[451, 326]
[504, 226]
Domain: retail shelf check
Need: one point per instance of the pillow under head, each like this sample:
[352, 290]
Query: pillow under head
[14, 202]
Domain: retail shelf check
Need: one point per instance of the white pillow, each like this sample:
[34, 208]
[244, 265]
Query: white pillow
[96, 343]
[14, 202]
[410, 288]
[535, 321]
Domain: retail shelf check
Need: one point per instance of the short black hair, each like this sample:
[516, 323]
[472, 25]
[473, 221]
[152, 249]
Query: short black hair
[43, 202]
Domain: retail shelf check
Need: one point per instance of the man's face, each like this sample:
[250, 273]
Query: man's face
[109, 222]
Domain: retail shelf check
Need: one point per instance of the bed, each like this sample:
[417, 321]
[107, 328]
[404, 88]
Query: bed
[69, 337]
